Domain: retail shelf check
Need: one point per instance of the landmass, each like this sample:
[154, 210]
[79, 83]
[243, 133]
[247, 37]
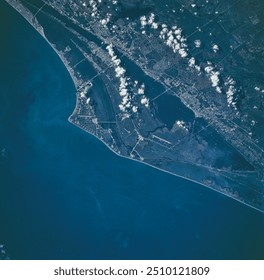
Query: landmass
[177, 85]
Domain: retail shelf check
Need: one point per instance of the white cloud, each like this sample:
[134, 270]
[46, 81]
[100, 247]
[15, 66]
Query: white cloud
[183, 53]
[208, 69]
[141, 89]
[155, 25]
[197, 43]
[215, 48]
[145, 101]
[231, 90]
[120, 71]
[172, 38]
[143, 21]
[214, 78]
[182, 124]
[198, 68]
[135, 109]
[123, 92]
[126, 99]
[191, 62]
[151, 19]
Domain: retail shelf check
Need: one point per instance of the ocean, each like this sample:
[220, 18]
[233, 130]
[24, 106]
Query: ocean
[65, 195]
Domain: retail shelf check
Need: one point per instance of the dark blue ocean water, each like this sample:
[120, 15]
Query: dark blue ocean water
[64, 195]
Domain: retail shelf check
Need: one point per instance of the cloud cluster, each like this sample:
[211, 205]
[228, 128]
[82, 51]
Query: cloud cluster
[94, 5]
[258, 89]
[141, 89]
[192, 64]
[149, 21]
[124, 82]
[106, 20]
[174, 39]
[144, 100]
[231, 90]
[182, 125]
[123, 85]
[215, 48]
[213, 76]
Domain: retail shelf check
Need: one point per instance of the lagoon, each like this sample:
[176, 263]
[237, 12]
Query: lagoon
[65, 195]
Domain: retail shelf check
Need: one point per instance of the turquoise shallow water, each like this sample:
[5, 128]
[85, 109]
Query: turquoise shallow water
[64, 195]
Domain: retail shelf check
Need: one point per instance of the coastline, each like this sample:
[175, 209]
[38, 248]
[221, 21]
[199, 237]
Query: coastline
[77, 83]
[168, 172]
[64, 195]
[15, 6]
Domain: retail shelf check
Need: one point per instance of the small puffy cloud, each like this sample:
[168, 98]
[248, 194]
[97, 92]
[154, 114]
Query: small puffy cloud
[151, 19]
[183, 53]
[215, 48]
[197, 43]
[145, 101]
[143, 21]
[178, 31]
[103, 22]
[141, 89]
[191, 62]
[198, 68]
[258, 89]
[135, 109]
[123, 92]
[120, 71]
[218, 89]
[215, 78]
[208, 69]
[154, 25]
[182, 125]
[122, 108]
